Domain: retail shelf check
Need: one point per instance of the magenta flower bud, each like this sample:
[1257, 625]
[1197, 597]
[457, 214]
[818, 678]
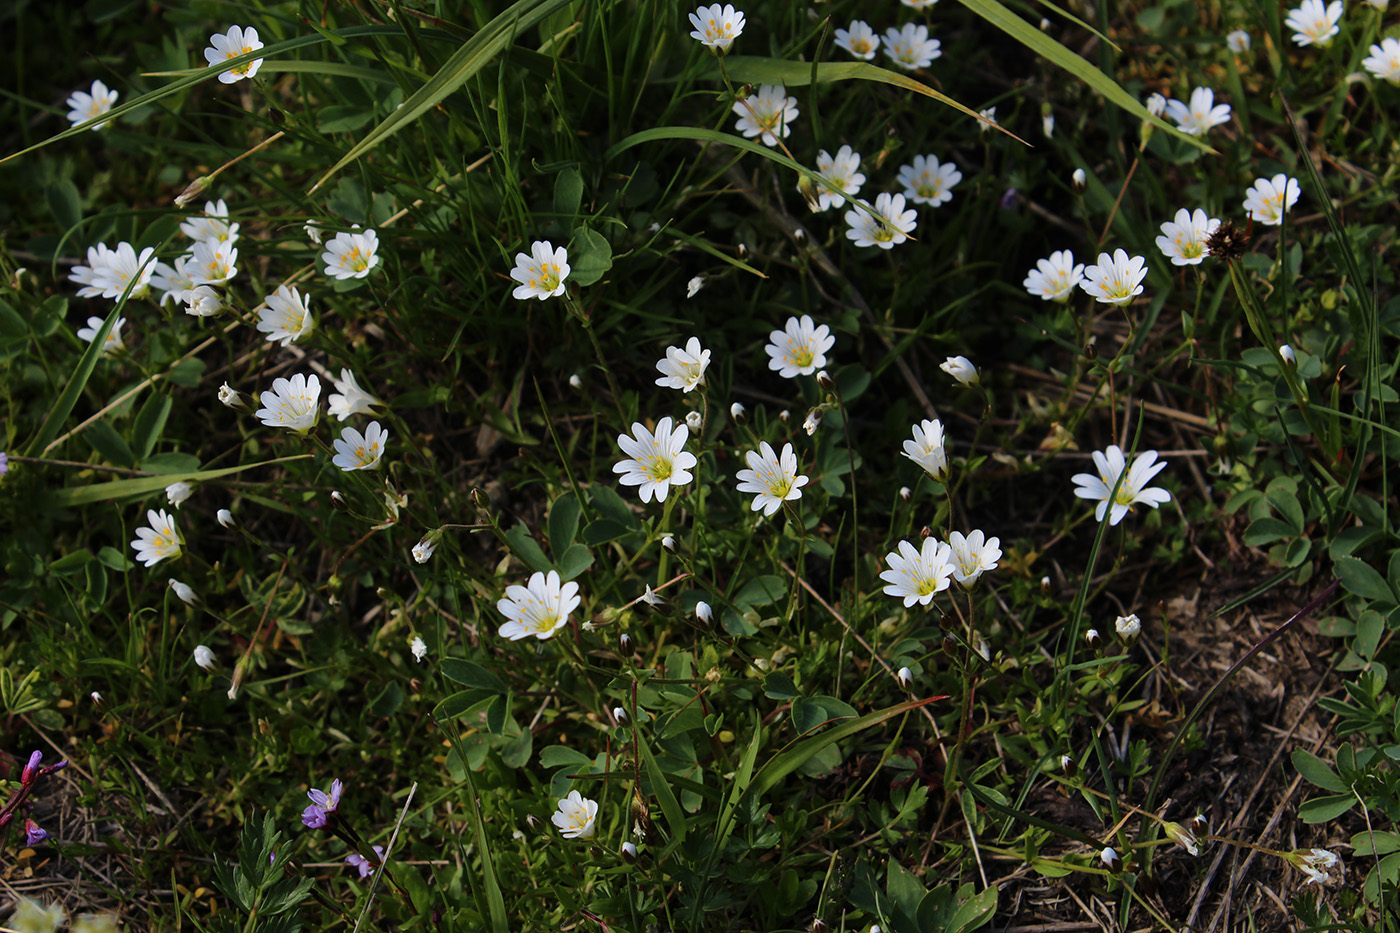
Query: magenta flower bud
[31, 770]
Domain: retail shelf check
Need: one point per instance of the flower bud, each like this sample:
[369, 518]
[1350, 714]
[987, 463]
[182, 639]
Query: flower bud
[1093, 638]
[1199, 825]
[1047, 124]
[629, 853]
[825, 381]
[905, 677]
[338, 501]
[478, 498]
[925, 532]
[425, 547]
[624, 645]
[620, 715]
[906, 493]
[204, 657]
[31, 769]
[807, 187]
[1129, 627]
[814, 421]
[669, 542]
[576, 383]
[961, 369]
[226, 518]
[183, 591]
[193, 190]
[694, 420]
[950, 644]
[1110, 859]
[96, 698]
[703, 613]
[738, 413]
[1079, 179]
[1182, 837]
[1286, 352]
[694, 285]
[1045, 588]
[784, 416]
[1068, 765]
[1156, 104]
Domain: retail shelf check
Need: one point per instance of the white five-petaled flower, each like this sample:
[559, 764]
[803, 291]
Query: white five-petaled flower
[1201, 114]
[98, 258]
[928, 449]
[177, 493]
[859, 40]
[1054, 279]
[113, 343]
[1156, 104]
[1268, 198]
[350, 399]
[1315, 23]
[351, 255]
[541, 274]
[203, 301]
[183, 590]
[174, 282]
[577, 816]
[1238, 41]
[889, 226]
[158, 542]
[213, 224]
[203, 657]
[839, 174]
[419, 648]
[799, 349]
[292, 403]
[423, 550]
[1384, 60]
[1132, 491]
[961, 369]
[285, 315]
[910, 47]
[356, 451]
[772, 477]
[213, 262]
[717, 27]
[226, 46]
[89, 106]
[769, 114]
[987, 120]
[972, 556]
[1183, 239]
[122, 266]
[656, 462]
[692, 288]
[1128, 627]
[916, 576]
[927, 181]
[1116, 279]
[540, 608]
[684, 369]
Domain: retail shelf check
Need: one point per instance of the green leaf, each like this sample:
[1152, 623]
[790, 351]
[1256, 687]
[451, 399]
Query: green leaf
[977, 911]
[779, 687]
[1265, 530]
[575, 561]
[1375, 843]
[1361, 579]
[458, 704]
[611, 505]
[1318, 772]
[108, 442]
[516, 752]
[149, 424]
[464, 672]
[590, 256]
[77, 382]
[602, 531]
[1323, 809]
[66, 203]
[810, 713]
[563, 522]
[525, 548]
[1282, 494]
[760, 591]
[670, 807]
[130, 488]
[568, 192]
[562, 756]
[475, 54]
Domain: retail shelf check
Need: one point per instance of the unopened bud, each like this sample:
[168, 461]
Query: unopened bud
[807, 187]
[1045, 588]
[576, 383]
[950, 644]
[703, 613]
[226, 518]
[906, 493]
[193, 190]
[1093, 638]
[784, 416]
[905, 677]
[1129, 627]
[619, 714]
[1068, 765]
[1110, 859]
[1200, 825]
[629, 853]
[694, 420]
[479, 498]
[825, 381]
[1182, 837]
[738, 413]
[692, 288]
[624, 645]
[1079, 179]
[338, 501]
[669, 542]
[1286, 352]
[925, 533]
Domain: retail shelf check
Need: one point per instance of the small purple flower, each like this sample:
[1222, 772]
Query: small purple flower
[365, 866]
[1009, 198]
[4, 463]
[34, 834]
[31, 770]
[322, 806]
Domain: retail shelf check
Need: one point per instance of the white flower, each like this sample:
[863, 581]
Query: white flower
[772, 477]
[351, 255]
[174, 282]
[1384, 60]
[1314, 24]
[424, 549]
[812, 421]
[1268, 198]
[684, 369]
[1315, 863]
[1202, 113]
[887, 227]
[203, 657]
[113, 343]
[123, 266]
[838, 174]
[717, 27]
[419, 648]
[1156, 104]
[961, 369]
[1047, 125]
[211, 225]
[203, 301]
[577, 816]
[926, 181]
[1128, 627]
[158, 542]
[350, 399]
[799, 349]
[213, 262]
[285, 316]
[1115, 279]
[910, 47]
[769, 114]
[703, 613]
[652, 598]
[1377, 4]
[973, 556]
[987, 120]
[656, 462]
[356, 451]
[1054, 279]
[177, 493]
[1286, 352]
[226, 46]
[1183, 240]
[916, 576]
[1133, 490]
[230, 396]
[292, 403]
[85, 106]
[540, 608]
[1238, 41]
[694, 420]
[692, 288]
[183, 591]
[927, 448]
[859, 40]
[225, 518]
[98, 257]
[542, 273]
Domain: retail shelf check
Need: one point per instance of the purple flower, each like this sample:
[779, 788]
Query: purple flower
[365, 866]
[4, 463]
[1008, 199]
[33, 834]
[322, 806]
[31, 770]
